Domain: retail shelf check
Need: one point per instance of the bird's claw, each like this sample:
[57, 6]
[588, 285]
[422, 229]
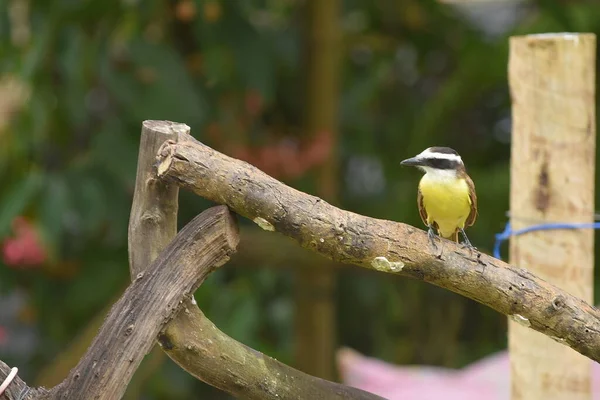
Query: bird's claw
[467, 244]
[431, 235]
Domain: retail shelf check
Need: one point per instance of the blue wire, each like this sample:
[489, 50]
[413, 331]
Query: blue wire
[508, 232]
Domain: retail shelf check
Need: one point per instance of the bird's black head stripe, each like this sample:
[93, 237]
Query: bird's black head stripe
[442, 163]
[443, 150]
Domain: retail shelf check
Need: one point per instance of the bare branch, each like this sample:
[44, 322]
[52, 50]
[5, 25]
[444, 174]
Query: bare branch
[199, 347]
[135, 320]
[190, 339]
[381, 245]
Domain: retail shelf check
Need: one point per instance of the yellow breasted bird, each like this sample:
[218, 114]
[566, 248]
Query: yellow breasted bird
[446, 197]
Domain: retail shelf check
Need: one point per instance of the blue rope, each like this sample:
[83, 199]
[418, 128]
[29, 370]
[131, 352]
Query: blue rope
[508, 232]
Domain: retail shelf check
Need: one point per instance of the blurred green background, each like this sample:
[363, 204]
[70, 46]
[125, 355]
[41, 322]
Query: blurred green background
[77, 78]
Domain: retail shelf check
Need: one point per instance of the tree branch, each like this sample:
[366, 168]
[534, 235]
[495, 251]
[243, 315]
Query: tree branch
[135, 320]
[199, 347]
[381, 245]
[190, 339]
[18, 389]
[153, 219]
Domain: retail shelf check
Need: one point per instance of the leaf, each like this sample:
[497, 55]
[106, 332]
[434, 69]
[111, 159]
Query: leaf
[115, 151]
[75, 88]
[34, 58]
[90, 202]
[217, 64]
[52, 210]
[99, 277]
[244, 319]
[17, 199]
[557, 11]
[255, 64]
[156, 86]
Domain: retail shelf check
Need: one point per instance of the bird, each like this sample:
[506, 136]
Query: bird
[446, 195]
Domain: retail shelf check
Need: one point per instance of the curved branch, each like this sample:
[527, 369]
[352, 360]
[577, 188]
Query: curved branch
[190, 339]
[200, 348]
[381, 245]
[149, 302]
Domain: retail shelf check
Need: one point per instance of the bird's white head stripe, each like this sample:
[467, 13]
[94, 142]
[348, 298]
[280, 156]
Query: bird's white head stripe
[428, 154]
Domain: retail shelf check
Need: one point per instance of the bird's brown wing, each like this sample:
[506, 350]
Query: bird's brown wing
[473, 214]
[422, 211]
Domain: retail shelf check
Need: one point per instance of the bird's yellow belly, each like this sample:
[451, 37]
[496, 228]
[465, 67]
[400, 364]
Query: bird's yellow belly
[447, 203]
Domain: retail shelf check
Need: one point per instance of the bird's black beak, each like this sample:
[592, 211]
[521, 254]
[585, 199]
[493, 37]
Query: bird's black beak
[412, 162]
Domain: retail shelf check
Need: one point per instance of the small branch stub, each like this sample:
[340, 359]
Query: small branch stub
[384, 265]
[165, 155]
[521, 320]
[264, 224]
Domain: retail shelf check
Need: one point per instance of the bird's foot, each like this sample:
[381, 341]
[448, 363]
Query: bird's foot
[431, 234]
[467, 244]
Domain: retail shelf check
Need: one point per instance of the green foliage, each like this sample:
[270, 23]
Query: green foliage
[17, 198]
[88, 73]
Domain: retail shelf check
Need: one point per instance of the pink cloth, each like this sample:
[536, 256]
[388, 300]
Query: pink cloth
[487, 379]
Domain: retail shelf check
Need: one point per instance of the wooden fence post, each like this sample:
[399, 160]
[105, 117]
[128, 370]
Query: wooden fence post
[552, 84]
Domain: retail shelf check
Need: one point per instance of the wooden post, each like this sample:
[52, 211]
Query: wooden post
[552, 83]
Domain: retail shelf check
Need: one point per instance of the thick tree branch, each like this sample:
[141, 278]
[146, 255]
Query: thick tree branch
[199, 347]
[190, 339]
[381, 245]
[135, 320]
[153, 219]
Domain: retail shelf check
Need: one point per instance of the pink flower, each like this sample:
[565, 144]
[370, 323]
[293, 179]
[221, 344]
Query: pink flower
[25, 248]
